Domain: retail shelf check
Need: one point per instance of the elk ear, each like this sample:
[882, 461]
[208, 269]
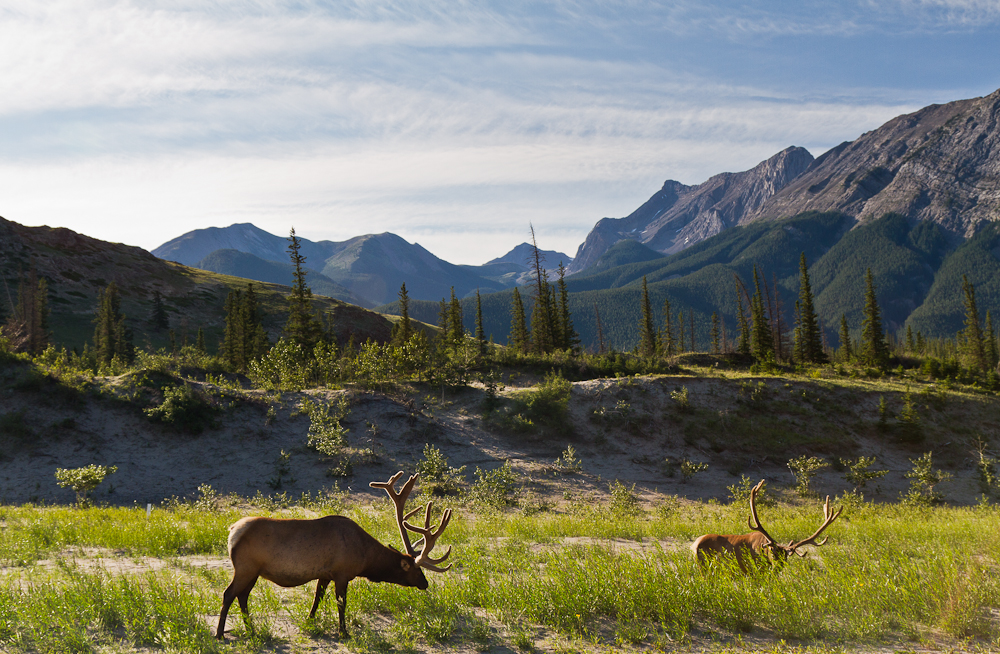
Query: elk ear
[405, 565]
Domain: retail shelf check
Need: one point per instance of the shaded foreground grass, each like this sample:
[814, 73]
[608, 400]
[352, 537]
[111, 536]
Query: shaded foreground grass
[582, 579]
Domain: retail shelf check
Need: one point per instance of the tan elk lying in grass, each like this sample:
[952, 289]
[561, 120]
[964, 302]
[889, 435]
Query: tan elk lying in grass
[333, 548]
[752, 550]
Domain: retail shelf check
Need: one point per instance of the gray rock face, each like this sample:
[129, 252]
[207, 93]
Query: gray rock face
[940, 164]
[679, 216]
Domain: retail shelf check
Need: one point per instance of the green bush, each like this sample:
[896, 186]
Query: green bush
[183, 408]
[83, 480]
[326, 435]
[436, 476]
[495, 489]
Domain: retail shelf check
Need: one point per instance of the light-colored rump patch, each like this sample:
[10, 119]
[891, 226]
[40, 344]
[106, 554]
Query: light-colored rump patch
[236, 531]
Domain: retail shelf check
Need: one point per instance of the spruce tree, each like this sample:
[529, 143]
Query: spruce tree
[111, 337]
[518, 325]
[255, 341]
[158, 316]
[743, 345]
[647, 331]
[569, 339]
[761, 339]
[542, 312]
[911, 346]
[480, 332]
[845, 339]
[28, 327]
[232, 339]
[403, 330]
[456, 330]
[200, 345]
[811, 348]
[668, 345]
[975, 354]
[874, 351]
[302, 327]
[991, 343]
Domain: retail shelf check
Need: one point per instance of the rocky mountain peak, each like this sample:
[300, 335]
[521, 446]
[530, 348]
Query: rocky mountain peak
[938, 164]
[679, 216]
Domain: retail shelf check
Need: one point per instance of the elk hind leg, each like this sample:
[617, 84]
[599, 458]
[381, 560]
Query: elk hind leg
[321, 585]
[340, 590]
[239, 588]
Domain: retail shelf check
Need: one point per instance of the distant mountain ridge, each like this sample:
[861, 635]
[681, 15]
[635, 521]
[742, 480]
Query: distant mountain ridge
[367, 270]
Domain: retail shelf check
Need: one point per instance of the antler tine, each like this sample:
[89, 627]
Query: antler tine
[429, 537]
[828, 519]
[755, 525]
[399, 500]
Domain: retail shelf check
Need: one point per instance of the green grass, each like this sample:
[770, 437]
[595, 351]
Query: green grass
[889, 574]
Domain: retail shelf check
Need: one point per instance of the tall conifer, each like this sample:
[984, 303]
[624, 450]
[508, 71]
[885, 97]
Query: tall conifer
[480, 332]
[302, 326]
[811, 348]
[647, 331]
[975, 354]
[668, 345]
[518, 325]
[874, 351]
[761, 338]
[111, 337]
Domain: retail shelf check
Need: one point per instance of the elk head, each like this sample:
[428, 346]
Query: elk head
[428, 536]
[778, 551]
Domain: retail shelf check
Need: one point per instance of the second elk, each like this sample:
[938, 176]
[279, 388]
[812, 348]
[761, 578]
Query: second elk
[757, 548]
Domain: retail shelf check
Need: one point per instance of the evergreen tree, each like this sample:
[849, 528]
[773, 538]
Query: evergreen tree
[302, 326]
[991, 343]
[761, 339]
[542, 314]
[201, 341]
[232, 339]
[975, 353]
[480, 332]
[845, 339]
[158, 316]
[811, 347]
[910, 345]
[743, 345]
[27, 328]
[874, 351]
[403, 329]
[456, 330]
[255, 341]
[569, 339]
[518, 325]
[111, 337]
[667, 343]
[647, 331]
[715, 333]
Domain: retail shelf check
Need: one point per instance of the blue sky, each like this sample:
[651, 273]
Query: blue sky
[453, 124]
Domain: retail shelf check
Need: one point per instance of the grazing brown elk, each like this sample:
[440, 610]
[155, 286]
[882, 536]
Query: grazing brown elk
[334, 548]
[751, 550]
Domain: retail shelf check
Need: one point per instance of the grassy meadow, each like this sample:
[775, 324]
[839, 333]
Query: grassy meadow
[579, 578]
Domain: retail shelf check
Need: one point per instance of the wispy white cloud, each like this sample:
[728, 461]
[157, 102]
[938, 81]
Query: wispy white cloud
[436, 120]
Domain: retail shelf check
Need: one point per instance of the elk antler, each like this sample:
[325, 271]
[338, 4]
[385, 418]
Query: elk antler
[429, 538]
[828, 518]
[399, 499]
[755, 525]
